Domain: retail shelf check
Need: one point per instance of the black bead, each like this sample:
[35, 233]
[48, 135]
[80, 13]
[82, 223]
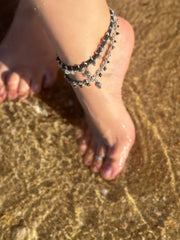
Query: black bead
[82, 66]
[94, 63]
[76, 67]
[103, 44]
[95, 56]
[80, 85]
[106, 38]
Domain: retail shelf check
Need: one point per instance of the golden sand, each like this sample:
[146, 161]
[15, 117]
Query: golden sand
[45, 190]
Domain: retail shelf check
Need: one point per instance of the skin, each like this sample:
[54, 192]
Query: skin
[108, 130]
[27, 57]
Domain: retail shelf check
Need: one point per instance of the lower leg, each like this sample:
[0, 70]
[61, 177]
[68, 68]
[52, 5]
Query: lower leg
[76, 29]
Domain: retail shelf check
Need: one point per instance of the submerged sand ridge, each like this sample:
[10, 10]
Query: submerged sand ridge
[45, 190]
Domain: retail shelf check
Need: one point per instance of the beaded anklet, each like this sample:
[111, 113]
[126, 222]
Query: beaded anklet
[108, 41]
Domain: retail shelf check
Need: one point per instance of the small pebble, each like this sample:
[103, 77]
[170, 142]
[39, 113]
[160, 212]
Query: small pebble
[104, 192]
[39, 110]
[19, 214]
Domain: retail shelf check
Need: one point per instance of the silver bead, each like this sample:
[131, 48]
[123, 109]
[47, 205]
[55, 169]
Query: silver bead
[98, 84]
[67, 72]
[94, 79]
[73, 84]
[87, 83]
[88, 74]
[73, 72]
[81, 84]
[82, 71]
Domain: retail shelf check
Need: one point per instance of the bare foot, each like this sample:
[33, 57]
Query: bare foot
[109, 131]
[27, 58]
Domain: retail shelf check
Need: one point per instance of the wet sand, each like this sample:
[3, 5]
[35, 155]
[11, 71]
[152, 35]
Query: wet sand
[45, 190]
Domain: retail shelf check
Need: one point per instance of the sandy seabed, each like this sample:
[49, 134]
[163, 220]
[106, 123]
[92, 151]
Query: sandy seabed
[45, 190]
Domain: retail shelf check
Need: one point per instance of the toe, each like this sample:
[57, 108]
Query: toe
[98, 159]
[50, 75]
[36, 84]
[12, 85]
[89, 155]
[79, 133]
[4, 73]
[48, 79]
[83, 137]
[84, 142]
[24, 86]
[115, 160]
[2, 91]
[83, 145]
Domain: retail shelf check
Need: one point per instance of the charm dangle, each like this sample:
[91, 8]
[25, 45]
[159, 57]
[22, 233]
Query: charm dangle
[98, 84]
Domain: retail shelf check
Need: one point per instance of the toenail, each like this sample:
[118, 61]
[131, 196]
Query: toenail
[22, 94]
[1, 95]
[81, 152]
[12, 96]
[87, 162]
[78, 133]
[95, 169]
[108, 172]
[83, 142]
[1, 91]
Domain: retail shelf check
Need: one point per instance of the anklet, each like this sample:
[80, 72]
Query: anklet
[107, 42]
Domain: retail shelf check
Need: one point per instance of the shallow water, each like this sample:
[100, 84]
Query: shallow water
[45, 190]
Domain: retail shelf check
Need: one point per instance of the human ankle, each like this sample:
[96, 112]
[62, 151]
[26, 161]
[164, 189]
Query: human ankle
[99, 59]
